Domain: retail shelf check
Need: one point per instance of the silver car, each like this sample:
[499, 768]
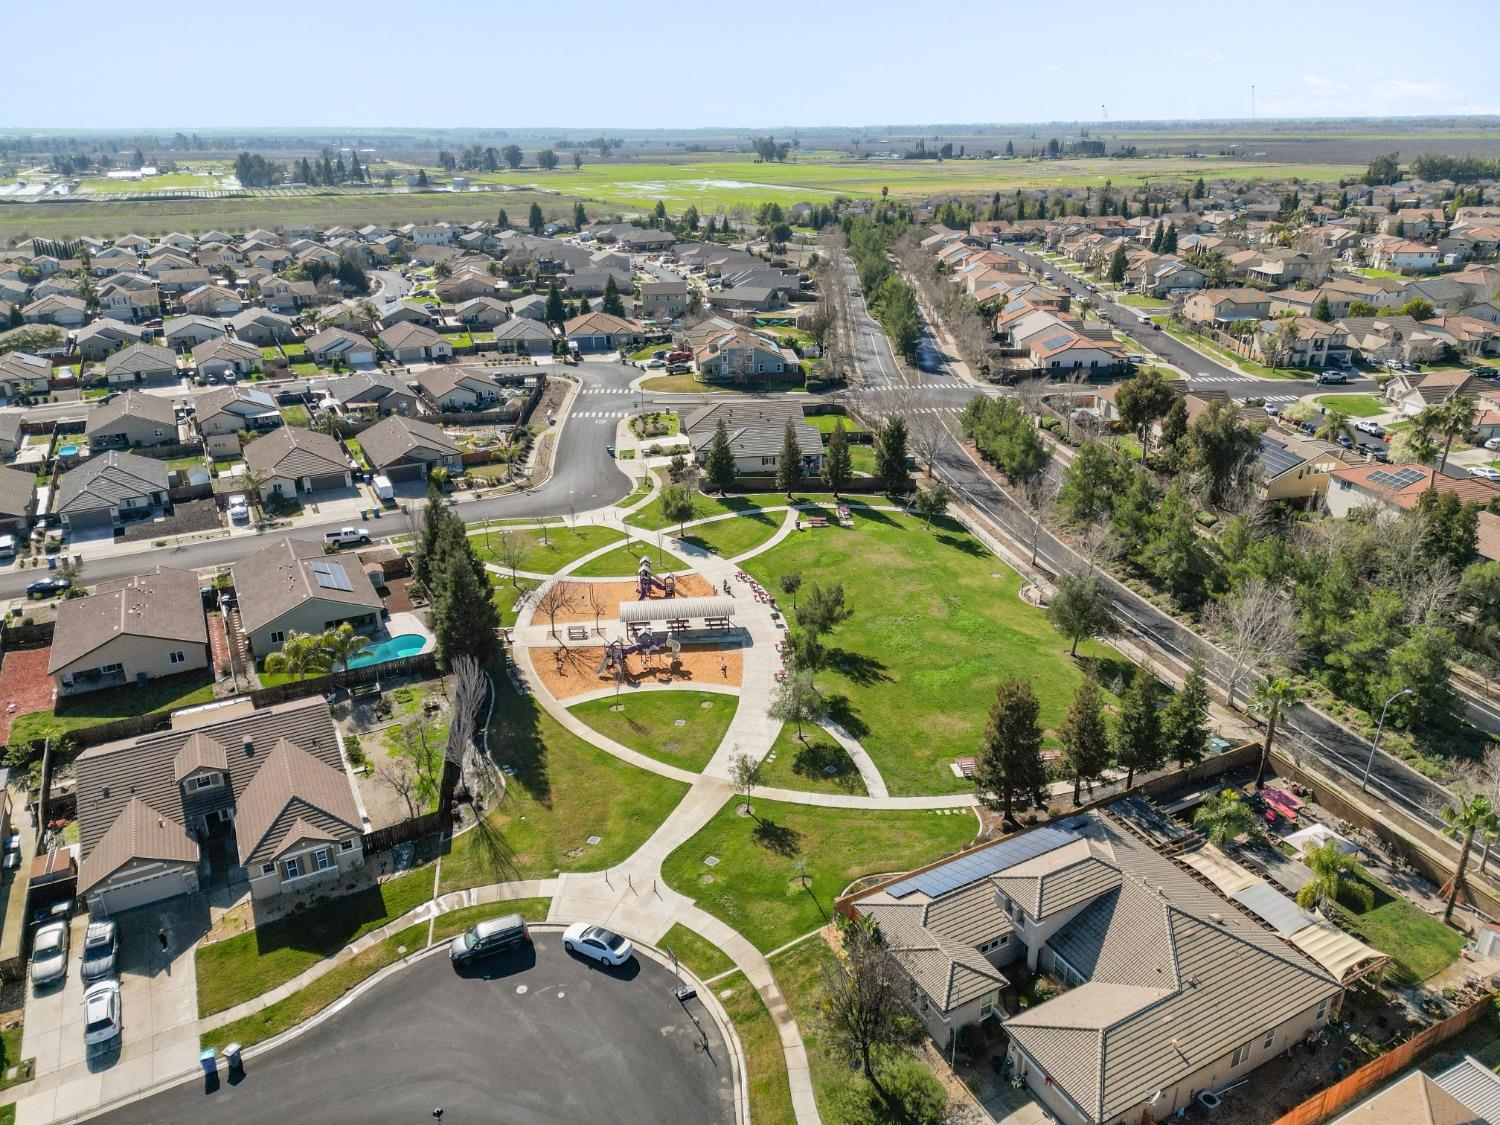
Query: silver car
[49, 954]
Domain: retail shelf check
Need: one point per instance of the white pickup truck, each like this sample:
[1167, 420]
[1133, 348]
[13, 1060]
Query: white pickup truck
[345, 537]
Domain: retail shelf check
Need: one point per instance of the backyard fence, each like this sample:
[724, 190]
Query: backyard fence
[422, 665]
[20, 635]
[1329, 1101]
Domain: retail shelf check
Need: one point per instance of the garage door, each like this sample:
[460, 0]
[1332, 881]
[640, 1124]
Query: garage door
[142, 892]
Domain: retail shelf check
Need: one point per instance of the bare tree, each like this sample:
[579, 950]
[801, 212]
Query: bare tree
[398, 777]
[512, 553]
[1029, 393]
[1480, 775]
[1429, 593]
[866, 1009]
[466, 744]
[558, 597]
[1037, 496]
[926, 436]
[1258, 627]
[596, 603]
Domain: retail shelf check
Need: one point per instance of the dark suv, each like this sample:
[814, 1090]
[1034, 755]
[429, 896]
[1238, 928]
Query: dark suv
[491, 936]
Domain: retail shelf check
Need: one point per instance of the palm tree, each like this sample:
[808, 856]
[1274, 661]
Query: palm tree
[1270, 697]
[1334, 876]
[301, 655]
[254, 481]
[1223, 816]
[1453, 419]
[1333, 426]
[1471, 816]
[343, 646]
[439, 476]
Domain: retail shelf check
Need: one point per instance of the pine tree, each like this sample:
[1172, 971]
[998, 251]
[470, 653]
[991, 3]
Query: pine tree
[1117, 265]
[1085, 738]
[422, 177]
[1009, 762]
[1169, 239]
[1156, 239]
[583, 305]
[427, 558]
[789, 465]
[1138, 733]
[721, 469]
[464, 618]
[535, 220]
[556, 313]
[612, 303]
[890, 456]
[1184, 720]
[838, 465]
[580, 216]
[503, 220]
[1321, 311]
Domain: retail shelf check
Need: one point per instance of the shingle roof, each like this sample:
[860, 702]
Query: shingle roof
[293, 452]
[162, 605]
[138, 833]
[17, 491]
[280, 578]
[135, 404]
[102, 482]
[199, 752]
[142, 359]
[391, 439]
[291, 796]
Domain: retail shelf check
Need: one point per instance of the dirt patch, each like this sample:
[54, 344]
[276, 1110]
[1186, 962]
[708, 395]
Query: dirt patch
[573, 671]
[611, 594]
[25, 686]
[188, 517]
[397, 596]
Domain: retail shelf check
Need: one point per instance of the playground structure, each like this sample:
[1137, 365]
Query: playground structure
[646, 581]
[646, 644]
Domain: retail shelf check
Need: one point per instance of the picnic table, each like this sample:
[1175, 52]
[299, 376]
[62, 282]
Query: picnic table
[578, 633]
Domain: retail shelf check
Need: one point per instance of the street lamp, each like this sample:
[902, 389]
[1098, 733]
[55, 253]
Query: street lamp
[1364, 782]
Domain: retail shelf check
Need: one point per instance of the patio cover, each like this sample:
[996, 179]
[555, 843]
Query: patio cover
[1344, 956]
[670, 609]
[1316, 835]
[1219, 870]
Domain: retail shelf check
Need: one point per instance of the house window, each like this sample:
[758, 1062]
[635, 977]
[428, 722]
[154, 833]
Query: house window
[113, 669]
[346, 846]
[206, 781]
[276, 486]
[268, 869]
[1269, 1041]
[1240, 1055]
[321, 860]
[291, 869]
[277, 636]
[1322, 1011]
[178, 657]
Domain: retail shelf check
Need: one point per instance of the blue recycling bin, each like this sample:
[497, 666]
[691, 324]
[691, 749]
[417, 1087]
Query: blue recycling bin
[207, 1061]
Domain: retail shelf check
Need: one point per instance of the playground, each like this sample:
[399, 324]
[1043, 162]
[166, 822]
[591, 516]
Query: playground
[607, 596]
[571, 672]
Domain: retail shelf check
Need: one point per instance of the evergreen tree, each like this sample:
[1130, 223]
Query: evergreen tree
[580, 216]
[838, 465]
[556, 313]
[535, 220]
[1169, 239]
[1085, 738]
[422, 178]
[503, 220]
[890, 456]
[464, 618]
[1009, 764]
[1321, 311]
[711, 229]
[789, 465]
[426, 559]
[612, 303]
[1174, 424]
[1080, 608]
[721, 470]
[1184, 720]
[1156, 233]
[1137, 742]
[1117, 265]
[583, 305]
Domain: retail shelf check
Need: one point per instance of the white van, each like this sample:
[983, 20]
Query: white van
[383, 488]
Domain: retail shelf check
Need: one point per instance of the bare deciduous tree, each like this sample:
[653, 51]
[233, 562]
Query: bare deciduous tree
[1037, 497]
[398, 777]
[511, 552]
[744, 775]
[866, 1008]
[926, 436]
[1258, 628]
[558, 597]
[597, 604]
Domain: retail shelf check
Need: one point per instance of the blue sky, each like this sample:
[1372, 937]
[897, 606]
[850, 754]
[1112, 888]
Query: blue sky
[669, 63]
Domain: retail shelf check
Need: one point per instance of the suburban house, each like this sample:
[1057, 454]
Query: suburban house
[522, 335]
[1395, 337]
[339, 345]
[459, 389]
[212, 300]
[1064, 349]
[1397, 488]
[756, 432]
[406, 449]
[1299, 341]
[1413, 392]
[1218, 307]
[482, 312]
[186, 332]
[293, 587]
[224, 412]
[600, 332]
[133, 418]
[295, 462]
[262, 327]
[414, 343]
[111, 490]
[738, 355]
[130, 630]
[378, 392]
[17, 501]
[258, 794]
[64, 312]
[663, 300]
[281, 295]
[1466, 1093]
[95, 341]
[128, 297]
[532, 307]
[142, 364]
[10, 434]
[1170, 987]
[407, 312]
[1401, 255]
[225, 357]
[1296, 469]
[22, 370]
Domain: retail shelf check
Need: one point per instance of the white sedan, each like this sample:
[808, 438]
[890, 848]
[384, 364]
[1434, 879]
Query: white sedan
[604, 946]
[1485, 472]
[102, 1019]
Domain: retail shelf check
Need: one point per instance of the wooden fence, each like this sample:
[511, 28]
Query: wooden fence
[1329, 1101]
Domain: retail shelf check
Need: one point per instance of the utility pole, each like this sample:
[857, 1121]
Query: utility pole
[1252, 101]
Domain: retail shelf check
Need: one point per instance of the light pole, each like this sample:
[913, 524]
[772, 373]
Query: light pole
[1364, 782]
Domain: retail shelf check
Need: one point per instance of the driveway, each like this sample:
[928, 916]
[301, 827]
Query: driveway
[159, 1003]
[527, 1038]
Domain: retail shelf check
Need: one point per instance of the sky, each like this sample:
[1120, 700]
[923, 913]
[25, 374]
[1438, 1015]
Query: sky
[773, 63]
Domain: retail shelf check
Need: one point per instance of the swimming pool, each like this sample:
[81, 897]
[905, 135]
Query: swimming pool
[407, 644]
[68, 451]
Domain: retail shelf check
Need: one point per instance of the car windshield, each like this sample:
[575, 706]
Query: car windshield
[49, 943]
[96, 943]
[471, 939]
[98, 1016]
[614, 941]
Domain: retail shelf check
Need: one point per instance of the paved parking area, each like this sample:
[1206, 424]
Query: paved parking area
[524, 1039]
[159, 1003]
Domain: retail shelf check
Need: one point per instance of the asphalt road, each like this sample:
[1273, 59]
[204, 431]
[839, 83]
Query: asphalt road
[526, 1039]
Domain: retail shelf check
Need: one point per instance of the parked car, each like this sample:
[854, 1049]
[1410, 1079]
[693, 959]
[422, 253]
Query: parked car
[604, 946]
[493, 935]
[1272, 410]
[100, 947]
[102, 1018]
[656, 362]
[1484, 472]
[609, 449]
[1333, 377]
[1346, 441]
[47, 587]
[1374, 429]
[346, 537]
[49, 954]
[239, 508]
[1493, 443]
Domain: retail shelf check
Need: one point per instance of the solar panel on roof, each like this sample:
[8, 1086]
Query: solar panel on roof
[331, 576]
[1276, 458]
[1401, 478]
[967, 869]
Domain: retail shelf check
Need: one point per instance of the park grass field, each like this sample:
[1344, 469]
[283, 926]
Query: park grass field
[681, 728]
[545, 554]
[172, 181]
[938, 623]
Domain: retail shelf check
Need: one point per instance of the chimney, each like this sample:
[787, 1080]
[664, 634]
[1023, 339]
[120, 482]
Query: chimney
[249, 747]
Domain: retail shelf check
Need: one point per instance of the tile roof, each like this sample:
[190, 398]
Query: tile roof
[276, 580]
[1475, 1086]
[139, 832]
[1386, 482]
[162, 605]
[1414, 1100]
[17, 491]
[293, 452]
[141, 358]
[102, 482]
[134, 404]
[391, 439]
[292, 796]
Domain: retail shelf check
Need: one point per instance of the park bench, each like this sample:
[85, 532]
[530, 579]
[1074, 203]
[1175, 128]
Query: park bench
[578, 633]
[816, 521]
[721, 623]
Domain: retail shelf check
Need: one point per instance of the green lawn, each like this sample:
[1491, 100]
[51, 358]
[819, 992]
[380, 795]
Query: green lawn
[456, 922]
[937, 623]
[689, 384]
[562, 545]
[1389, 275]
[701, 957]
[680, 727]
[71, 712]
[307, 1002]
[506, 593]
[765, 1061]
[704, 505]
[827, 423]
[755, 886]
[623, 562]
[305, 370]
[1229, 358]
[1418, 944]
[1356, 406]
[732, 537]
[10, 1052]
[296, 415]
[248, 964]
[802, 765]
[563, 791]
[1140, 301]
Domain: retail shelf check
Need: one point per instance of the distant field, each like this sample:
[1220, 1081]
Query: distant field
[174, 181]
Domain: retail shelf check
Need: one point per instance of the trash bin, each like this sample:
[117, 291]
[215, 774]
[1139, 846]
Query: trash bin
[207, 1061]
[232, 1056]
